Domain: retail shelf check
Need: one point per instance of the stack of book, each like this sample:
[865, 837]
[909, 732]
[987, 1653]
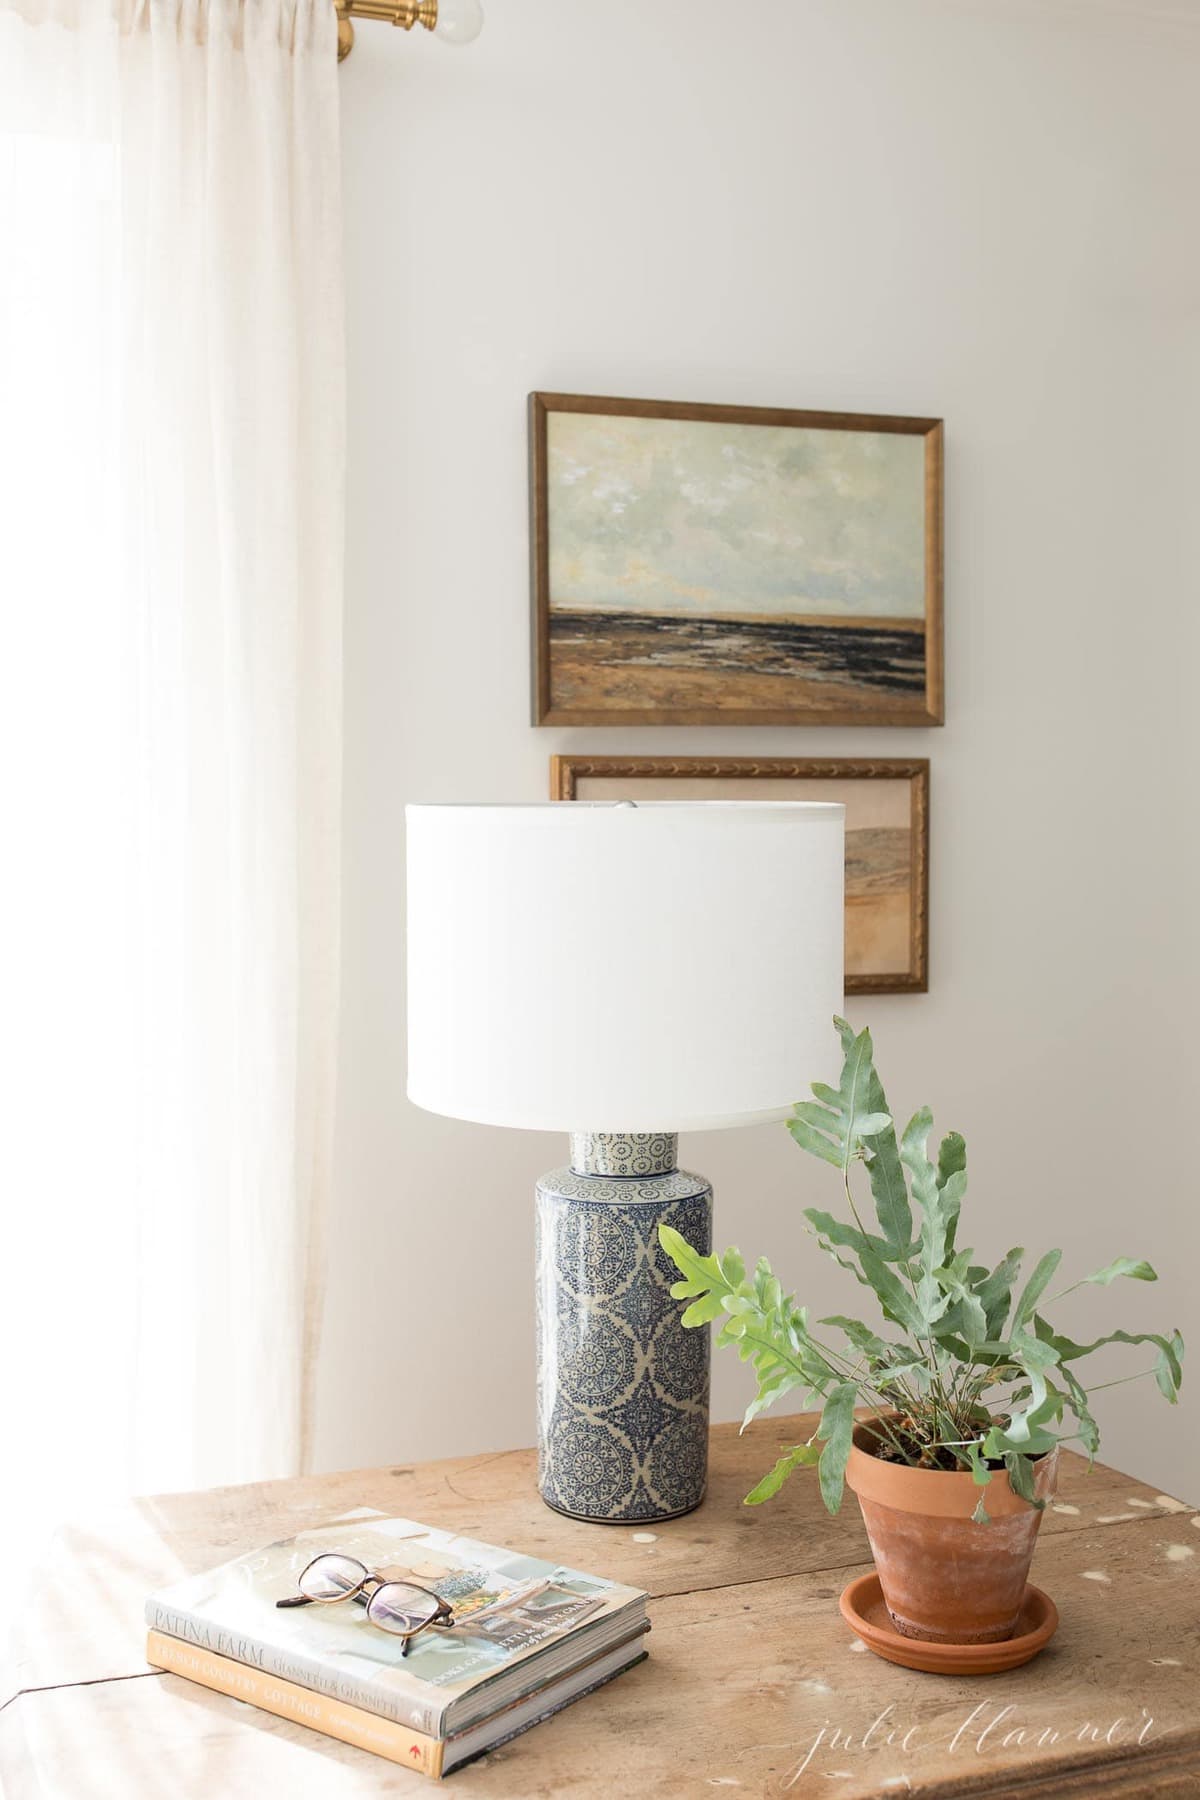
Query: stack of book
[529, 1637]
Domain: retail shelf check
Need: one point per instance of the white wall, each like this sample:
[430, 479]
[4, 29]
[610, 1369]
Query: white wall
[979, 210]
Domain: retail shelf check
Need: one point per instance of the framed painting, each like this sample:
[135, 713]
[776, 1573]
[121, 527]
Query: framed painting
[733, 565]
[887, 837]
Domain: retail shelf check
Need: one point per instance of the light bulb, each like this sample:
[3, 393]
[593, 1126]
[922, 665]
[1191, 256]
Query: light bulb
[459, 21]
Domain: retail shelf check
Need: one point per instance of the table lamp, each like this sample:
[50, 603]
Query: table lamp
[621, 972]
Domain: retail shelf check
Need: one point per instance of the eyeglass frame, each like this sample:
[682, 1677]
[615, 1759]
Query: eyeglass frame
[443, 1616]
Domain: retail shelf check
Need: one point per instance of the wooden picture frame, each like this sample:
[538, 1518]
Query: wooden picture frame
[897, 936]
[701, 627]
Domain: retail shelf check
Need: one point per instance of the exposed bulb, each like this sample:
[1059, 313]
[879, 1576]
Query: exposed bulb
[459, 21]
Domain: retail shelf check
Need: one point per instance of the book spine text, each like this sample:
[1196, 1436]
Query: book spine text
[294, 1666]
[320, 1712]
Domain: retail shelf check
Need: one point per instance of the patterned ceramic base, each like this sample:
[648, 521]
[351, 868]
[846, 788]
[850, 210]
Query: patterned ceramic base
[622, 1388]
[659, 1518]
[637, 1153]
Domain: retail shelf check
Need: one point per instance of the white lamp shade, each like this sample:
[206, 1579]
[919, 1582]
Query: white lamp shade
[619, 968]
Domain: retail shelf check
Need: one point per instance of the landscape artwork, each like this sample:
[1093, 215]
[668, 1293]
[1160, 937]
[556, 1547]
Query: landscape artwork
[887, 837]
[698, 565]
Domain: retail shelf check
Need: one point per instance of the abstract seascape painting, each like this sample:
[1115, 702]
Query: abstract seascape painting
[733, 565]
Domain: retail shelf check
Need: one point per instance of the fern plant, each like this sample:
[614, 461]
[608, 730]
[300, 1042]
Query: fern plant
[976, 1377]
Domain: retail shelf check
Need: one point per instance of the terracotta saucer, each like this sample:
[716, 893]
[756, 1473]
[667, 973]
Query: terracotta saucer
[865, 1613]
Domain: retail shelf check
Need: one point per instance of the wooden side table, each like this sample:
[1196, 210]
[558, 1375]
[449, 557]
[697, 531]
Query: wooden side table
[754, 1685]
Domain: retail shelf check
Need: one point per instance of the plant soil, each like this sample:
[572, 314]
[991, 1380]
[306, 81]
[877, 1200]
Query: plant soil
[909, 1451]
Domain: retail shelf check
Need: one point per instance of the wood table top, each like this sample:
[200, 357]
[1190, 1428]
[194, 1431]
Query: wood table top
[754, 1686]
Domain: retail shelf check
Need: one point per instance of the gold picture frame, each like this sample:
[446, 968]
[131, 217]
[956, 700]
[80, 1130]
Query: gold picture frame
[734, 565]
[887, 836]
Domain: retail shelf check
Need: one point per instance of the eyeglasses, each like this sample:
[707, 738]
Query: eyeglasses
[401, 1607]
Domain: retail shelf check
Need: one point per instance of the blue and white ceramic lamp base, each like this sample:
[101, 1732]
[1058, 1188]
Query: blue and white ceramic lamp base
[622, 1387]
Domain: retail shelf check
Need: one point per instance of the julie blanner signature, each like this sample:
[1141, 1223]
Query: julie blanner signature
[985, 1730]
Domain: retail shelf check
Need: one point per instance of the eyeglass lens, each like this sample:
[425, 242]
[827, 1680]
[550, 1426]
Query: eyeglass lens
[398, 1607]
[332, 1578]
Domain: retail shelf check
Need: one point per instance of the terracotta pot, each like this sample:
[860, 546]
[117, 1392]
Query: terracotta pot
[945, 1578]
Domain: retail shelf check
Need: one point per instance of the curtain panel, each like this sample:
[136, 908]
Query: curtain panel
[171, 480]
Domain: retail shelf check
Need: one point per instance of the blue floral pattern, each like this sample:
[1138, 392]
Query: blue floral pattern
[622, 1388]
[642, 1307]
[598, 1466]
[637, 1153]
[596, 1365]
[680, 1359]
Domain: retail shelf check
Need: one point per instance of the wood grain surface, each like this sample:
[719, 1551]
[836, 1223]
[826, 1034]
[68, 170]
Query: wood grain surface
[754, 1686]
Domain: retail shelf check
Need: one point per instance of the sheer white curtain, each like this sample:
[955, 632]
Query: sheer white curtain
[171, 459]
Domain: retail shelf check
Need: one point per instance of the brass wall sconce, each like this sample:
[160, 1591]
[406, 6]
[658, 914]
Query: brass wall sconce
[455, 21]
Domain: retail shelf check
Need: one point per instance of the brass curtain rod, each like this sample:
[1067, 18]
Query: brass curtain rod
[456, 21]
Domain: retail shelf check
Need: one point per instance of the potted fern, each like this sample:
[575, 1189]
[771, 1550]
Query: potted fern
[970, 1394]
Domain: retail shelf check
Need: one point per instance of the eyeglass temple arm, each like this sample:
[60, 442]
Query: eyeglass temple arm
[295, 1600]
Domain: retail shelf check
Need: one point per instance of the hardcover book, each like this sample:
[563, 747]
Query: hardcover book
[521, 1624]
[367, 1731]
